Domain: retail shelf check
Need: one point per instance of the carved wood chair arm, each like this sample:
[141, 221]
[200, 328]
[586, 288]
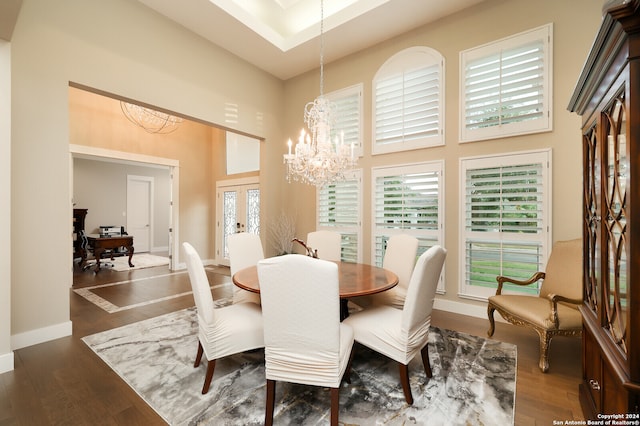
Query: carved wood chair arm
[502, 279]
[553, 301]
[557, 298]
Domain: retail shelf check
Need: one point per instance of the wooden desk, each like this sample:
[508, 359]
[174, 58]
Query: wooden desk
[356, 279]
[100, 244]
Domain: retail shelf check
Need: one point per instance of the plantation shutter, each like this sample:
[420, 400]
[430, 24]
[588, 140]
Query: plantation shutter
[347, 118]
[338, 204]
[407, 200]
[504, 229]
[338, 208]
[505, 199]
[407, 105]
[506, 87]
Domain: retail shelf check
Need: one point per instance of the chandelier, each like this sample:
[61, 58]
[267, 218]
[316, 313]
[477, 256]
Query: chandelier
[149, 119]
[317, 159]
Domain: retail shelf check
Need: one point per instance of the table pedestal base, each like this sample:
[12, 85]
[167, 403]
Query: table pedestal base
[344, 309]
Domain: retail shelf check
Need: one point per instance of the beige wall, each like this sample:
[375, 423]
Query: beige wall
[575, 23]
[118, 47]
[6, 356]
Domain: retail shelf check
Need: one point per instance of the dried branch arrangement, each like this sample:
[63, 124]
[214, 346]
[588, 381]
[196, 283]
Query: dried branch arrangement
[281, 232]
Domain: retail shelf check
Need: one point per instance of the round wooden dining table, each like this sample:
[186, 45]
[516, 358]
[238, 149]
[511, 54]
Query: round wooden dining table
[355, 279]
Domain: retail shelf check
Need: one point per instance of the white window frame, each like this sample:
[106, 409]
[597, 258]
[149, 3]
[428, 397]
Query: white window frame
[345, 229]
[504, 239]
[352, 132]
[543, 122]
[400, 65]
[425, 236]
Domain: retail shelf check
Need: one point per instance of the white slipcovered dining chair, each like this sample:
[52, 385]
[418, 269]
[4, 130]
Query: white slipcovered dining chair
[399, 258]
[223, 331]
[327, 244]
[245, 250]
[401, 334]
[305, 342]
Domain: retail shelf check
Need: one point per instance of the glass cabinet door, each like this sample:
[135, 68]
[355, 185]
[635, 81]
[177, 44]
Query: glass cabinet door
[615, 222]
[592, 216]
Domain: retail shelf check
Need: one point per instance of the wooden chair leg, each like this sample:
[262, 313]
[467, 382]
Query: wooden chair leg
[545, 342]
[335, 401]
[425, 360]
[404, 380]
[211, 366]
[492, 322]
[271, 402]
[198, 355]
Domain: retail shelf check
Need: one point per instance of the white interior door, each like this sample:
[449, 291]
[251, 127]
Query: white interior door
[139, 211]
[237, 210]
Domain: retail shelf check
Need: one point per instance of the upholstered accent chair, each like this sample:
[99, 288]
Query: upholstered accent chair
[221, 331]
[327, 244]
[555, 311]
[245, 250]
[401, 333]
[305, 342]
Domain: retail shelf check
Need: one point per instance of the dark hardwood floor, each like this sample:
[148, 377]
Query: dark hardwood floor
[64, 382]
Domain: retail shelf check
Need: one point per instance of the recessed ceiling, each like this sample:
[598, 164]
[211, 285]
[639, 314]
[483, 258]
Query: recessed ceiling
[282, 36]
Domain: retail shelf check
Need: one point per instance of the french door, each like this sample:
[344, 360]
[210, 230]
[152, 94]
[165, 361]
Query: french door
[237, 210]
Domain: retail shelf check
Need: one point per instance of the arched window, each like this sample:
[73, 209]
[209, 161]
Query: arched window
[408, 100]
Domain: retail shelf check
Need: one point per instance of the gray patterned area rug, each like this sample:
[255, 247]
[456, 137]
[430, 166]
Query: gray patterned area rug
[473, 381]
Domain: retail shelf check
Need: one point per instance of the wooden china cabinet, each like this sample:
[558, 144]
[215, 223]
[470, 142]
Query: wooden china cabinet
[607, 96]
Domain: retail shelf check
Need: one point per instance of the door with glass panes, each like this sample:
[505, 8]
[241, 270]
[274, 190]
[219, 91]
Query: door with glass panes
[238, 210]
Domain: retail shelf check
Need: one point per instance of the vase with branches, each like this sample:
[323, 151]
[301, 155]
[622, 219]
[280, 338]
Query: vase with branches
[282, 231]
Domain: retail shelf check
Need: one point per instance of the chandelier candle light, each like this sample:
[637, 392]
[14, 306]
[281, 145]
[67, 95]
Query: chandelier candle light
[316, 159]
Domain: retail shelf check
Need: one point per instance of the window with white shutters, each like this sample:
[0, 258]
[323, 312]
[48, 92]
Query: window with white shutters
[348, 117]
[408, 200]
[506, 86]
[408, 93]
[505, 225]
[339, 209]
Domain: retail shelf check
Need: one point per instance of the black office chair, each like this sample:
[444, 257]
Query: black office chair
[84, 245]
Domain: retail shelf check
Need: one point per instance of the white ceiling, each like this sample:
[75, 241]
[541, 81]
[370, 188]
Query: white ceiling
[282, 36]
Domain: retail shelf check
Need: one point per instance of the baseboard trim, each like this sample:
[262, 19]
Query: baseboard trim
[41, 335]
[476, 311]
[6, 362]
